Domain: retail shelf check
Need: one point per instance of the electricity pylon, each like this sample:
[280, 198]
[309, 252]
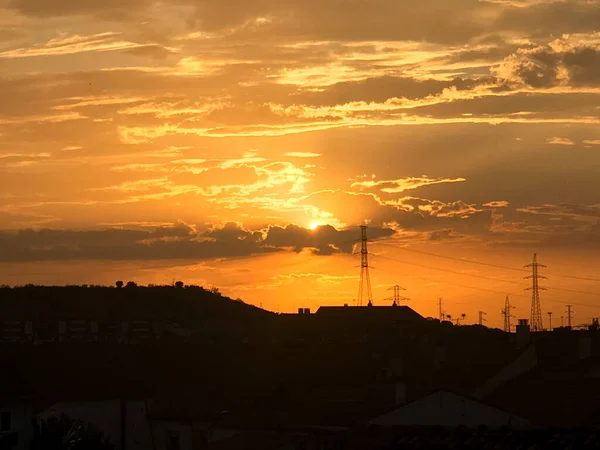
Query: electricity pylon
[397, 298]
[481, 318]
[507, 315]
[569, 315]
[536, 309]
[364, 285]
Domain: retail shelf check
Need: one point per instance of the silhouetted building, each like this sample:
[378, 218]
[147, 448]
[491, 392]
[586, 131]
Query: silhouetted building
[447, 409]
[16, 410]
[376, 313]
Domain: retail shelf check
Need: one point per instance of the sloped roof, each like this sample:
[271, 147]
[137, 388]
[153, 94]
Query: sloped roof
[446, 408]
[552, 396]
[370, 312]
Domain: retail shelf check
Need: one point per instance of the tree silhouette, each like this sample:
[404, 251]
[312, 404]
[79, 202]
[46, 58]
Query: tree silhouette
[179, 284]
[131, 284]
[119, 284]
[64, 433]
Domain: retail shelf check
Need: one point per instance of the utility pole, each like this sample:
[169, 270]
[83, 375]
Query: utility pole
[441, 309]
[364, 285]
[569, 315]
[507, 315]
[536, 309]
[481, 318]
[550, 320]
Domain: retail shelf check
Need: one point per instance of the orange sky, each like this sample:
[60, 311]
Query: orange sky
[207, 141]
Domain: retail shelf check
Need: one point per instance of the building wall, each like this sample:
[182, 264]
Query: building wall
[20, 422]
[164, 430]
[448, 410]
[526, 361]
[106, 417]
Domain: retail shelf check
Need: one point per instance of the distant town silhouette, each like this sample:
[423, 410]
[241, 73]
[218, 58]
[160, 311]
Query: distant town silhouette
[176, 366]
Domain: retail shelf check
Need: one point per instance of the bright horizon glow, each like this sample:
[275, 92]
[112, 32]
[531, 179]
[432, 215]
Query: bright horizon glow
[314, 225]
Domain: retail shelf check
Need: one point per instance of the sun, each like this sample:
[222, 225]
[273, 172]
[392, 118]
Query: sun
[314, 225]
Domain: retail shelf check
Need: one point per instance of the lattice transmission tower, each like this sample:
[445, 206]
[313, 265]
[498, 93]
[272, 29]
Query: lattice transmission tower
[482, 318]
[397, 298]
[536, 309]
[364, 285]
[507, 315]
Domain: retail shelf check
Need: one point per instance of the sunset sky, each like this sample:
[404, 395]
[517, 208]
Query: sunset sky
[239, 144]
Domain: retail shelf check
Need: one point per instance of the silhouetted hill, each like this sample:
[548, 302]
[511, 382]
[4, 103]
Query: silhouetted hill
[190, 306]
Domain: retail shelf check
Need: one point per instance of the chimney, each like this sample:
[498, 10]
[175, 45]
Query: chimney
[306, 310]
[523, 333]
[300, 311]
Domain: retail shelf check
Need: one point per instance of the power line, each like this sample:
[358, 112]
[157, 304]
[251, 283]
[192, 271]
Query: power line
[451, 283]
[574, 291]
[448, 271]
[443, 282]
[480, 263]
[483, 277]
[551, 300]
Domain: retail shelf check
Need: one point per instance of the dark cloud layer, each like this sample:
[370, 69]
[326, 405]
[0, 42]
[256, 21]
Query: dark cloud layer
[325, 239]
[176, 242]
[558, 63]
[450, 21]
[105, 8]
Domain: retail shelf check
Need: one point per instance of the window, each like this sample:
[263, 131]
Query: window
[5, 421]
[172, 441]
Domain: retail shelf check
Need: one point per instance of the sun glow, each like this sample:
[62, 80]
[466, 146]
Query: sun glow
[314, 225]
